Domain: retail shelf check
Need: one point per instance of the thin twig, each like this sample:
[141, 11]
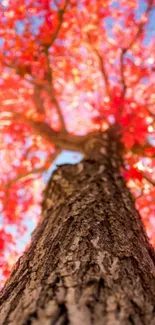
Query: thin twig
[125, 50]
[34, 171]
[123, 82]
[102, 66]
[140, 29]
[149, 180]
[135, 198]
[104, 73]
[61, 14]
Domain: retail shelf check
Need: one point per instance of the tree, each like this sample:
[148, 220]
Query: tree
[90, 260]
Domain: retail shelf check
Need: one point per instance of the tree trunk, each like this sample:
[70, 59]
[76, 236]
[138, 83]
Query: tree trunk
[90, 261]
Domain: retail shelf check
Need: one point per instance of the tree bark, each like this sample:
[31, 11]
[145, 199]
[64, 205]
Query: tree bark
[90, 261]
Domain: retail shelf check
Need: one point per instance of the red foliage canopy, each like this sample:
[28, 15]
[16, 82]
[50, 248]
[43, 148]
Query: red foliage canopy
[70, 67]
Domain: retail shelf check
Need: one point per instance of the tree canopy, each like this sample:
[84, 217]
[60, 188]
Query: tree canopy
[70, 68]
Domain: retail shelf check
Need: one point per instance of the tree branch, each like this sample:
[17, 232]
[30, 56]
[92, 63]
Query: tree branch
[61, 14]
[38, 100]
[125, 50]
[141, 26]
[51, 93]
[35, 170]
[149, 180]
[65, 141]
[61, 140]
[103, 70]
[28, 173]
[58, 109]
[123, 82]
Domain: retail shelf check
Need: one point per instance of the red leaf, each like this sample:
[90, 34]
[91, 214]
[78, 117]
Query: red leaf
[2, 243]
[150, 152]
[132, 173]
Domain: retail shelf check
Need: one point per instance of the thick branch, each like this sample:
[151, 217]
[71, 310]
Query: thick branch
[60, 139]
[89, 144]
[51, 93]
[63, 140]
[38, 100]
[58, 109]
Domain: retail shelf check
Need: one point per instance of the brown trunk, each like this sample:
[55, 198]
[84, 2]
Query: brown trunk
[90, 261]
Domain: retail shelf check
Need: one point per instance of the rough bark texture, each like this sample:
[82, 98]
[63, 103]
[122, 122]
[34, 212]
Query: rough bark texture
[90, 261]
